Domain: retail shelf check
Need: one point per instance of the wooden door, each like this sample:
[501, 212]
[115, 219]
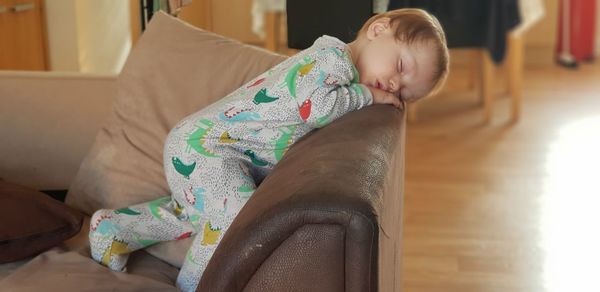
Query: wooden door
[230, 18]
[22, 35]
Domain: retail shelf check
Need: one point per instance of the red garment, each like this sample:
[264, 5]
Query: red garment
[581, 29]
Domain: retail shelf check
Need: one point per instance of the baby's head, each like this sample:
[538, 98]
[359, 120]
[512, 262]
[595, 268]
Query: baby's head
[402, 51]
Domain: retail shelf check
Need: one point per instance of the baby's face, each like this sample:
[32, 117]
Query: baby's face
[397, 67]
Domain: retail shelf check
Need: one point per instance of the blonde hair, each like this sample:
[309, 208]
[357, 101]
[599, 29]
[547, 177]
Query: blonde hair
[410, 25]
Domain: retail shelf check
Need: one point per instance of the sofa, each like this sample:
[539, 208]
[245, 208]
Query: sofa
[327, 218]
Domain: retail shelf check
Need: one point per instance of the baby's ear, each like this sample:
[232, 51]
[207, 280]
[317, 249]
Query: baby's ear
[378, 27]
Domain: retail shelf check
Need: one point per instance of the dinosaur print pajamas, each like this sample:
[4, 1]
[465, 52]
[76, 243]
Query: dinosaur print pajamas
[213, 157]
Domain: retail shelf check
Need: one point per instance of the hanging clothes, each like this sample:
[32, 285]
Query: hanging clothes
[307, 20]
[578, 18]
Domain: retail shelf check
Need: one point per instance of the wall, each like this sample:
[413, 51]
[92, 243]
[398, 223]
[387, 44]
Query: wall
[231, 18]
[62, 35]
[540, 40]
[88, 35]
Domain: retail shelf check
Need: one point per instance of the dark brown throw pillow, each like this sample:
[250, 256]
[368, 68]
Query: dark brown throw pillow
[32, 222]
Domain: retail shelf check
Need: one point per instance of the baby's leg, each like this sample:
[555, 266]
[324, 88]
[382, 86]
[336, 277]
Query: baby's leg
[232, 186]
[116, 233]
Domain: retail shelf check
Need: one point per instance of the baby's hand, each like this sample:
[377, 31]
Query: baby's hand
[385, 97]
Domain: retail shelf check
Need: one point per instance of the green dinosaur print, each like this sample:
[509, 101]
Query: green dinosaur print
[195, 219]
[248, 185]
[197, 139]
[183, 169]
[147, 242]
[190, 258]
[254, 159]
[283, 143]
[156, 205]
[144, 242]
[340, 52]
[262, 97]
[290, 79]
[246, 189]
[358, 88]
[323, 121]
[127, 211]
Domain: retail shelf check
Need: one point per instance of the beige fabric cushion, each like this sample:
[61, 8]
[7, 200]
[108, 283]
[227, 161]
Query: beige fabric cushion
[59, 270]
[174, 70]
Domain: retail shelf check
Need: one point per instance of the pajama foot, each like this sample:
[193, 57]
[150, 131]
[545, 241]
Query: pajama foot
[105, 247]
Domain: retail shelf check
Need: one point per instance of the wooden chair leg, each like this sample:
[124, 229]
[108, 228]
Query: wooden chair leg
[515, 72]
[474, 82]
[272, 25]
[487, 85]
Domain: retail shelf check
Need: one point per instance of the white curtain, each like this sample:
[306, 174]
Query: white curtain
[89, 36]
[104, 35]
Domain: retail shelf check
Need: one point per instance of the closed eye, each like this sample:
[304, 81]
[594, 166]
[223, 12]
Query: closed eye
[401, 66]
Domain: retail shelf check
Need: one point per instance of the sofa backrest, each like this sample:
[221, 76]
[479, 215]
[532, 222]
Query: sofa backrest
[48, 122]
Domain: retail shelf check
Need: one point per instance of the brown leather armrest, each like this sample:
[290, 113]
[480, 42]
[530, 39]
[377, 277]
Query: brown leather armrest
[323, 200]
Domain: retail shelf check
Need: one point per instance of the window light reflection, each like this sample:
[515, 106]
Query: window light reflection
[570, 221]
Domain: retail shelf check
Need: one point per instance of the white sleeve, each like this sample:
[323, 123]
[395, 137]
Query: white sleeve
[325, 86]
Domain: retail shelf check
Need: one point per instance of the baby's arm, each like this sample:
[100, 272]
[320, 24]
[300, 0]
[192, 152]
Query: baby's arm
[384, 97]
[327, 88]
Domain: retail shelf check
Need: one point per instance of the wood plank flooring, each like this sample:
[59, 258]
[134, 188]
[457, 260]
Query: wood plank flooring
[506, 207]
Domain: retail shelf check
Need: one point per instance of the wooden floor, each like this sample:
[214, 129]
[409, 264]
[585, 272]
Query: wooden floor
[506, 207]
